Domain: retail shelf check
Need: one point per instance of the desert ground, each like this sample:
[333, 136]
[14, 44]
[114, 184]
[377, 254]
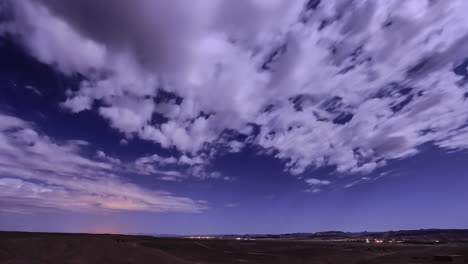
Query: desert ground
[45, 248]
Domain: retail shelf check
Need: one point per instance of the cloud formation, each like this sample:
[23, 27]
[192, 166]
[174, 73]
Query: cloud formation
[350, 84]
[313, 181]
[174, 169]
[38, 173]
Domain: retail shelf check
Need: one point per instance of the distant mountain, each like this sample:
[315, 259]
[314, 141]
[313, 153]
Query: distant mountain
[403, 235]
[424, 234]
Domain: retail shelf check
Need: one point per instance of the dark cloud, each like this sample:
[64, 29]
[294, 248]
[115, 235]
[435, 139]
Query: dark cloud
[154, 32]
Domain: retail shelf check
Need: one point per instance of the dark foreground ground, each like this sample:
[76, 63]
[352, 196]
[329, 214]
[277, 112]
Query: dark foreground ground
[41, 248]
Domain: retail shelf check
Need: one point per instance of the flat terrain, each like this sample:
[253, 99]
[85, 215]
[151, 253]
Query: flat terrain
[43, 248]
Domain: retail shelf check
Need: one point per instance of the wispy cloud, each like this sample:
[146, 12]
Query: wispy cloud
[313, 181]
[33, 89]
[39, 173]
[316, 184]
[356, 182]
[176, 169]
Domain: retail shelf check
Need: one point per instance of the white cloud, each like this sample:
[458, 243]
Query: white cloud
[348, 84]
[313, 190]
[313, 181]
[33, 89]
[315, 184]
[455, 139]
[38, 173]
[78, 103]
[175, 169]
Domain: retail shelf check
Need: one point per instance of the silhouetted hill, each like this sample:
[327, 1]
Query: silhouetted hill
[446, 235]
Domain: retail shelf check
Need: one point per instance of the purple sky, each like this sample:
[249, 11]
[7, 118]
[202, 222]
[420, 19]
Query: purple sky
[251, 116]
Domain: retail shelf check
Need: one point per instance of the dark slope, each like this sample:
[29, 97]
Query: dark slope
[41, 248]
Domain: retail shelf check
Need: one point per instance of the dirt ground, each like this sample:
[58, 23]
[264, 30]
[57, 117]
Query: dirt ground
[41, 248]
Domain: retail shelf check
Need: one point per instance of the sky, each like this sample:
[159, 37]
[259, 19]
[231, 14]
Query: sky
[223, 117]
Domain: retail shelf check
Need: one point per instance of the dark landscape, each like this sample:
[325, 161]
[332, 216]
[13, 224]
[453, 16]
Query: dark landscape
[422, 247]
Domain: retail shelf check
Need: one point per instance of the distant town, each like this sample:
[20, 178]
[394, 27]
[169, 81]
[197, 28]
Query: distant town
[427, 236]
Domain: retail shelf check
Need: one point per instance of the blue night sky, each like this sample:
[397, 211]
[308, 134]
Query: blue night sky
[253, 116]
